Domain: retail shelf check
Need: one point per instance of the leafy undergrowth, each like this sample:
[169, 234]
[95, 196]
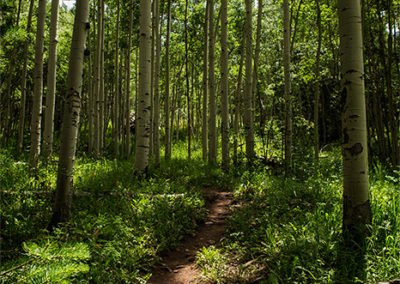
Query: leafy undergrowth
[287, 231]
[120, 222]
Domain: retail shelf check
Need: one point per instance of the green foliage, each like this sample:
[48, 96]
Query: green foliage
[292, 230]
[48, 262]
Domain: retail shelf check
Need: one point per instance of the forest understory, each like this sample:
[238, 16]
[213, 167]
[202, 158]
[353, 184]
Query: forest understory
[127, 229]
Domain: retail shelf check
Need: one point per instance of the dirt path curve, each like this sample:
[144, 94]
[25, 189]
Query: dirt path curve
[179, 266]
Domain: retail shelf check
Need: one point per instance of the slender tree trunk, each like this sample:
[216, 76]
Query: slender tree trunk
[21, 126]
[356, 211]
[393, 121]
[96, 97]
[143, 117]
[255, 91]
[238, 99]
[189, 128]
[128, 80]
[92, 80]
[117, 83]
[248, 102]
[101, 90]
[317, 85]
[51, 83]
[63, 199]
[288, 100]
[212, 136]
[166, 105]
[204, 129]
[224, 84]
[156, 120]
[38, 87]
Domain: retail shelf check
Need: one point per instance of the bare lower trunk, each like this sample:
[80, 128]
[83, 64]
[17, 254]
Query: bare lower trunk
[63, 199]
[143, 114]
[356, 211]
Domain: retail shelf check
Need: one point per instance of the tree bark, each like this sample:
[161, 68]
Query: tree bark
[212, 135]
[156, 118]
[356, 211]
[238, 100]
[204, 130]
[117, 86]
[63, 199]
[38, 87]
[189, 126]
[317, 85]
[51, 83]
[224, 84]
[167, 83]
[128, 84]
[248, 102]
[143, 116]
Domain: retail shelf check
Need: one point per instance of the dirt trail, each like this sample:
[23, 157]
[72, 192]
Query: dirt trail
[179, 266]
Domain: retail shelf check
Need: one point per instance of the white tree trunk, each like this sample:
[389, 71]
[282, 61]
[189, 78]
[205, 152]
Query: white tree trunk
[69, 131]
[51, 83]
[156, 119]
[143, 114]
[212, 135]
[356, 211]
[38, 87]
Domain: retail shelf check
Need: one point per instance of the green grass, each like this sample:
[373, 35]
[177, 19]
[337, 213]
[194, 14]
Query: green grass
[290, 231]
[124, 221]
[285, 230]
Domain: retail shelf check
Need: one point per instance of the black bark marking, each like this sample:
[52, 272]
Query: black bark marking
[355, 149]
[354, 116]
[346, 137]
[343, 98]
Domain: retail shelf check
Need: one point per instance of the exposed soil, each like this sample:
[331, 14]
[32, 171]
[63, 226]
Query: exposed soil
[179, 266]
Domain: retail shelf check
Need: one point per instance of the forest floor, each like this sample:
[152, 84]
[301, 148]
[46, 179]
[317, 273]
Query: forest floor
[179, 266]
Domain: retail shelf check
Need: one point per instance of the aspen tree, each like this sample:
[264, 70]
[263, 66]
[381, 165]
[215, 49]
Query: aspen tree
[96, 97]
[38, 87]
[212, 135]
[287, 95]
[167, 79]
[21, 125]
[143, 115]
[204, 130]
[238, 100]
[69, 131]
[317, 85]
[128, 80]
[257, 55]
[115, 129]
[224, 84]
[101, 87]
[189, 126]
[248, 101]
[51, 83]
[156, 117]
[356, 207]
